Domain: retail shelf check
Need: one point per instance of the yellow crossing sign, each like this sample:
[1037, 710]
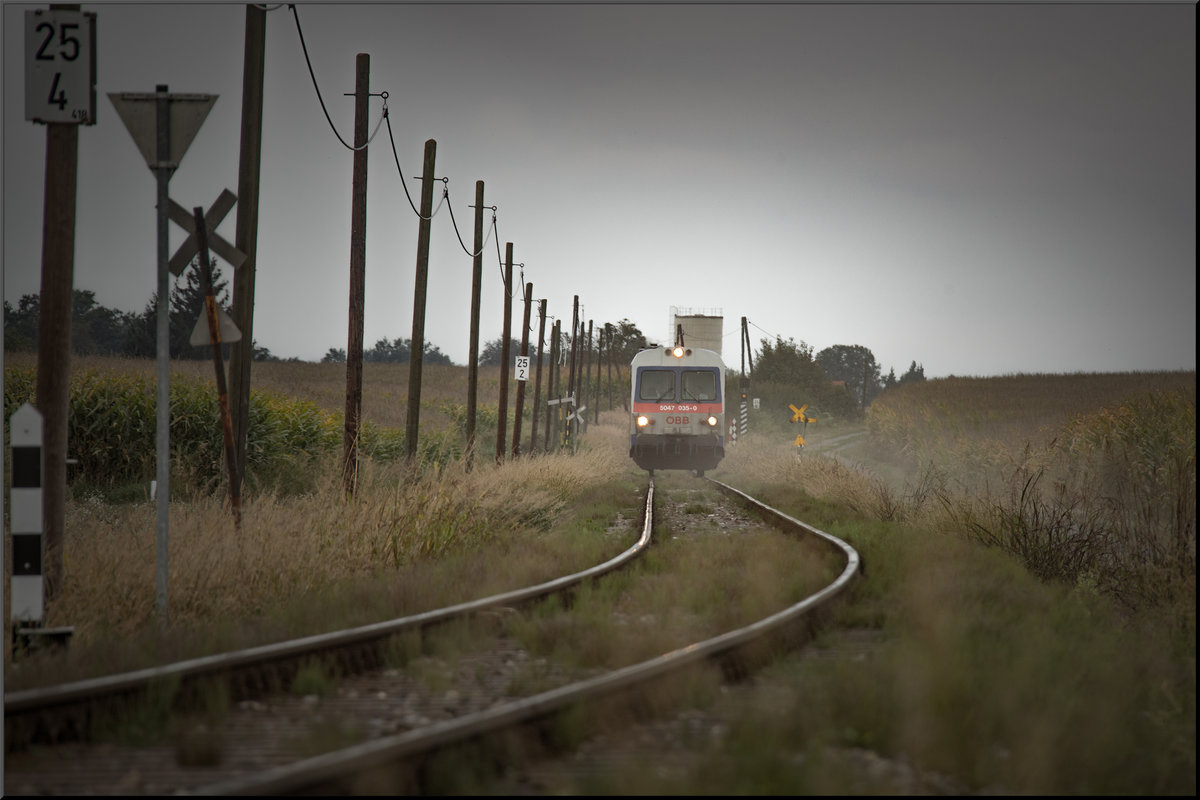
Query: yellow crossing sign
[798, 414]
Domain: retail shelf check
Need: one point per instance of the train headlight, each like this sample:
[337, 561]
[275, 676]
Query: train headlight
[677, 352]
[712, 422]
[643, 421]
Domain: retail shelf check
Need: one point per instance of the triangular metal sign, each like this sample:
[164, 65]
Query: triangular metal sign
[225, 325]
[185, 114]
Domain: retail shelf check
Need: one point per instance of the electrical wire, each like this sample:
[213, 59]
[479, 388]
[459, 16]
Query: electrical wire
[768, 333]
[445, 194]
[313, 75]
[456, 231]
[493, 231]
[500, 261]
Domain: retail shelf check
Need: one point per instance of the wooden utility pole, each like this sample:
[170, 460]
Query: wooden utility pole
[571, 369]
[214, 338]
[577, 422]
[599, 358]
[582, 378]
[473, 355]
[552, 388]
[537, 384]
[241, 354]
[585, 370]
[416, 351]
[358, 271]
[54, 336]
[575, 326]
[608, 334]
[505, 355]
[516, 440]
[66, 54]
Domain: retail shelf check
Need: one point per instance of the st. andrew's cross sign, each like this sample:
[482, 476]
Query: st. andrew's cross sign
[191, 246]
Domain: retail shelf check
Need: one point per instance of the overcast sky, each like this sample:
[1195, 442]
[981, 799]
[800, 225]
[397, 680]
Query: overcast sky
[983, 189]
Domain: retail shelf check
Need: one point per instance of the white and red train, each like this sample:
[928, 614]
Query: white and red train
[677, 406]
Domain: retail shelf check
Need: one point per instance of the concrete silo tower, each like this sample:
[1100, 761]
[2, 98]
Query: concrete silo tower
[700, 328]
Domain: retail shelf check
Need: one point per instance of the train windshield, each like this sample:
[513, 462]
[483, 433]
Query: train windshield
[699, 385]
[656, 385]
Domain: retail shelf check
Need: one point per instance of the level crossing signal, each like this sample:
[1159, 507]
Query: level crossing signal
[798, 415]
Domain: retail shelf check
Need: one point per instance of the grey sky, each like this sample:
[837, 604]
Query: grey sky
[980, 188]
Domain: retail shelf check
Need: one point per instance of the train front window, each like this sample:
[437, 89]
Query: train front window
[699, 385]
[656, 385]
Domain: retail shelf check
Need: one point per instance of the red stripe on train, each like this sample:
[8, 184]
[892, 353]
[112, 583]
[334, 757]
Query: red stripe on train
[678, 408]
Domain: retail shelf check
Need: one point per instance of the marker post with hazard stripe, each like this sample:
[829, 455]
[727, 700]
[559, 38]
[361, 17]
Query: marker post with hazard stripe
[27, 587]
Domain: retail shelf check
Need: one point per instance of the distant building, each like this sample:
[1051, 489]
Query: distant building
[704, 329]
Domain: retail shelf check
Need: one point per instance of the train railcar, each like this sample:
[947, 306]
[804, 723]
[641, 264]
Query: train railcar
[677, 406]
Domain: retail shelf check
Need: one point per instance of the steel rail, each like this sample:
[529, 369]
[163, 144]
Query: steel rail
[325, 771]
[33, 701]
[853, 561]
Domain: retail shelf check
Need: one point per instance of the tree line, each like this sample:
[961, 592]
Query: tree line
[99, 330]
[844, 376]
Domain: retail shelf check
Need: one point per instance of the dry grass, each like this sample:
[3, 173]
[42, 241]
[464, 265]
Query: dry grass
[1007, 682]
[287, 549]
[1083, 478]
[300, 563]
[1058, 657]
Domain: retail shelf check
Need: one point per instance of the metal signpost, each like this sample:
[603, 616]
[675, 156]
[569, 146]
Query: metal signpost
[163, 126]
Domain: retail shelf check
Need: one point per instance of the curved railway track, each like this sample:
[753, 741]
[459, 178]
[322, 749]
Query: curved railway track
[395, 760]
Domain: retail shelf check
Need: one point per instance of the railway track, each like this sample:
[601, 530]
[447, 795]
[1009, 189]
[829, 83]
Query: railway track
[395, 757]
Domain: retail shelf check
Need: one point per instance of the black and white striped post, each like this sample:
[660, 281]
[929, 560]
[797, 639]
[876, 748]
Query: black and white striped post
[27, 589]
[744, 414]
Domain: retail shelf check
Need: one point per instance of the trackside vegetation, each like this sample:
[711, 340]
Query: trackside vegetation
[1028, 596]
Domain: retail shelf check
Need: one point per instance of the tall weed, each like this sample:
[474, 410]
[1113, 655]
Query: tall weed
[1090, 479]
